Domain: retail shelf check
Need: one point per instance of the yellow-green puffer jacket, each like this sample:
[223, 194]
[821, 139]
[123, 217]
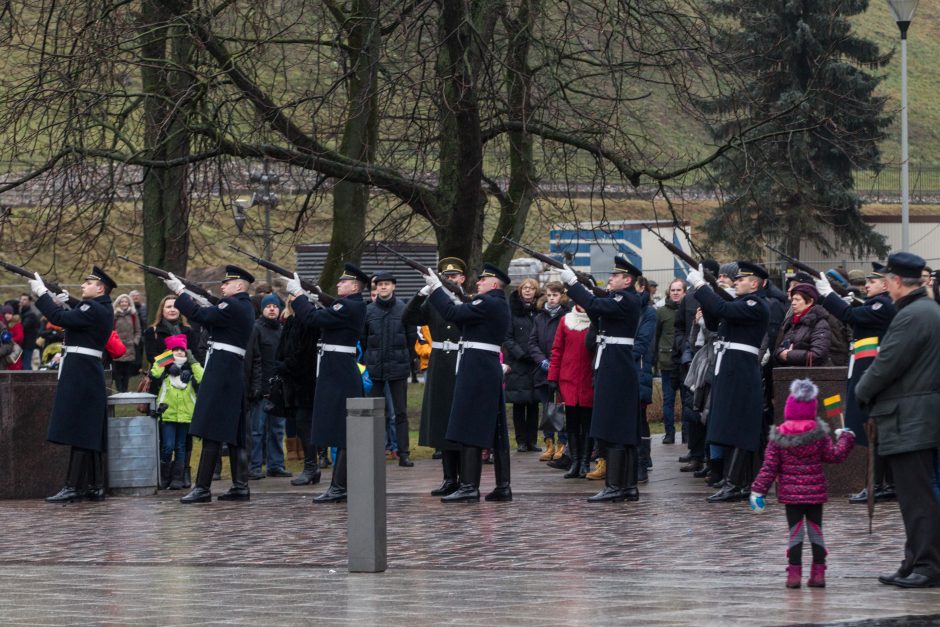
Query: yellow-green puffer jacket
[180, 402]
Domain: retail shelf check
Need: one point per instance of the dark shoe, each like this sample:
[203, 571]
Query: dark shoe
[446, 488]
[916, 580]
[334, 495]
[165, 475]
[197, 495]
[609, 494]
[669, 438]
[642, 473]
[702, 473]
[466, 493]
[685, 459]
[522, 448]
[533, 448]
[187, 478]
[562, 463]
[306, 478]
[693, 466]
[727, 494]
[235, 494]
[66, 495]
[860, 498]
[438, 454]
[95, 494]
[613, 491]
[279, 472]
[254, 475]
[176, 476]
[404, 460]
[503, 493]
[891, 579]
[886, 493]
[324, 459]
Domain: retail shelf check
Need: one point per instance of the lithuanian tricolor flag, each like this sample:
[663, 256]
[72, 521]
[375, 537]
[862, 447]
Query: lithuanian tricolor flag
[833, 405]
[867, 347]
[164, 359]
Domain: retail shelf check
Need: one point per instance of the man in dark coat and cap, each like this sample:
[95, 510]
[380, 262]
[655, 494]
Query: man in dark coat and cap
[220, 415]
[615, 420]
[338, 377]
[478, 413]
[80, 411]
[441, 374]
[735, 418]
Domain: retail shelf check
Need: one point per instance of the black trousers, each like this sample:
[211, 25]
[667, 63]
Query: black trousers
[805, 519]
[525, 421]
[398, 388]
[920, 509]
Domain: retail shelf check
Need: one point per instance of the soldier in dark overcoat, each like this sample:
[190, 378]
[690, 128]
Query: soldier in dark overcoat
[441, 374]
[478, 413]
[220, 415]
[869, 322]
[735, 417]
[341, 325]
[615, 420]
[80, 409]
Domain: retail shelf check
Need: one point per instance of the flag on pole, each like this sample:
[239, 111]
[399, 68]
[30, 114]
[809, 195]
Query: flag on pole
[833, 405]
[164, 359]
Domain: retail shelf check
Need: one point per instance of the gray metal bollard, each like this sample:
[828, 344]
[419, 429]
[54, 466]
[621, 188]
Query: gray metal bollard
[366, 531]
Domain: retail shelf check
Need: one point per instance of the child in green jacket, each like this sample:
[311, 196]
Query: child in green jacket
[180, 374]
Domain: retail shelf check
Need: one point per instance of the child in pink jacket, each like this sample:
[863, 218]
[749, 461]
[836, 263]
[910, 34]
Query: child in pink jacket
[795, 455]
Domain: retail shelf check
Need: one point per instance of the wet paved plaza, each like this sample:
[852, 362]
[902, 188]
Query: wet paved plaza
[546, 558]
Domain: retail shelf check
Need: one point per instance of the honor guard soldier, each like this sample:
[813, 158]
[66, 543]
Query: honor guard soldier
[478, 412]
[441, 374]
[735, 417]
[615, 420]
[869, 323]
[338, 378]
[220, 414]
[80, 409]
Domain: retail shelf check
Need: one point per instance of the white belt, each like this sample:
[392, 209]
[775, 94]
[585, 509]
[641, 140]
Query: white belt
[78, 350]
[222, 346]
[332, 348]
[446, 345]
[721, 347]
[482, 346]
[604, 340]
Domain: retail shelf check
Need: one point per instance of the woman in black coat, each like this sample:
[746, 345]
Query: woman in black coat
[806, 335]
[520, 380]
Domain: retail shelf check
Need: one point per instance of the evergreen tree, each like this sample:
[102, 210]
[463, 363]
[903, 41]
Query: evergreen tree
[802, 69]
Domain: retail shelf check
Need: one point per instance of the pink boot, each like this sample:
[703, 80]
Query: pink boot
[817, 576]
[794, 575]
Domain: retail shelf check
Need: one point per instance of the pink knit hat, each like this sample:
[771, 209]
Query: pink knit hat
[175, 341]
[801, 404]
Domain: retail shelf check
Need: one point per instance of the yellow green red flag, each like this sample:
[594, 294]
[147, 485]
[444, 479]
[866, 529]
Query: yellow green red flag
[833, 405]
[164, 359]
[867, 347]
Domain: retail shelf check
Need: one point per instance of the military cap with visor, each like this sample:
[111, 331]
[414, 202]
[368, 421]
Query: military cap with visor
[97, 274]
[234, 272]
[491, 270]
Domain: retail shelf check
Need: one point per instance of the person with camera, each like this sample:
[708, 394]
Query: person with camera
[179, 375]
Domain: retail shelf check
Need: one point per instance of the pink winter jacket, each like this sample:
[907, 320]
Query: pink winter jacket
[795, 460]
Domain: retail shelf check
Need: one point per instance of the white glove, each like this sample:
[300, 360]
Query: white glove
[313, 297]
[173, 284]
[697, 277]
[453, 297]
[839, 432]
[432, 280]
[757, 502]
[37, 287]
[568, 276]
[425, 291]
[765, 358]
[293, 285]
[822, 285]
[848, 299]
[202, 301]
[62, 298]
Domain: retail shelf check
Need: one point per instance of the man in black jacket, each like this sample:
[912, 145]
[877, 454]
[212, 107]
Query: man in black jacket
[389, 351]
[267, 427]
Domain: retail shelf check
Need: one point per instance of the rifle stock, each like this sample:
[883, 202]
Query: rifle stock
[195, 288]
[799, 265]
[310, 286]
[53, 287]
[689, 259]
[583, 279]
[449, 285]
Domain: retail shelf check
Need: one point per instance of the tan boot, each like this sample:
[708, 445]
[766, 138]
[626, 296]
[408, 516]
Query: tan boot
[549, 450]
[600, 472]
[559, 452]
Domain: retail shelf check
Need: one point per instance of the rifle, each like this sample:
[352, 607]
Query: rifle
[799, 265]
[310, 286]
[583, 279]
[689, 259]
[195, 288]
[449, 285]
[55, 288]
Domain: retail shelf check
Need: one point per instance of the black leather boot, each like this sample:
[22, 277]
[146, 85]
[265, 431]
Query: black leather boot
[404, 460]
[716, 472]
[576, 450]
[95, 491]
[164, 475]
[733, 488]
[337, 490]
[471, 467]
[630, 470]
[176, 475]
[238, 461]
[450, 460]
[642, 467]
[502, 491]
[613, 483]
[73, 479]
[201, 492]
[311, 473]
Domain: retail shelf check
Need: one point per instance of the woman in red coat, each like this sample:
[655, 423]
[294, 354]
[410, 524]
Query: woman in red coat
[570, 372]
[11, 322]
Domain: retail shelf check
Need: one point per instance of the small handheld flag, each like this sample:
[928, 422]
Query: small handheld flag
[833, 406]
[164, 359]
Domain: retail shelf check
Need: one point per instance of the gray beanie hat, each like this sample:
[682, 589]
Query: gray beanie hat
[729, 269]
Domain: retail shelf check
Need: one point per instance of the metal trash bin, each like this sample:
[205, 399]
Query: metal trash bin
[133, 447]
